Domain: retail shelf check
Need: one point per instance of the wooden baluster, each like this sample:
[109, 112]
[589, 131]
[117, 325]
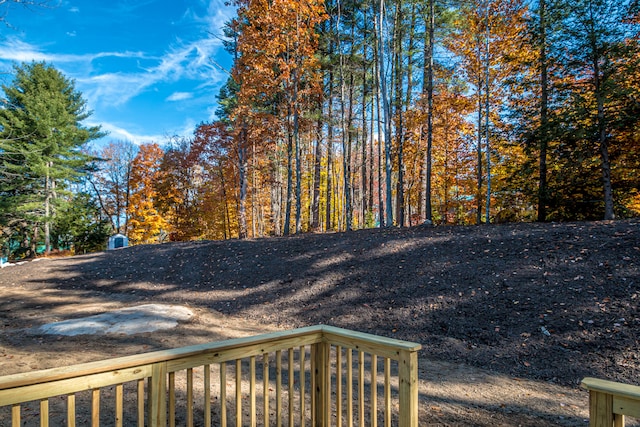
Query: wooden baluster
[265, 388]
[349, 387]
[207, 395]
[15, 416]
[361, 388]
[223, 394]
[71, 410]
[374, 390]
[303, 393]
[338, 386]
[252, 391]
[190, 397]
[140, 393]
[238, 392]
[119, 404]
[387, 392]
[172, 399]
[279, 388]
[290, 387]
[95, 407]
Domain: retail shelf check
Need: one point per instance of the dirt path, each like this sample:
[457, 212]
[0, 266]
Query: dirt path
[476, 298]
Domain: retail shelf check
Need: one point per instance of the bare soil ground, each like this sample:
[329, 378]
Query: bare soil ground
[510, 317]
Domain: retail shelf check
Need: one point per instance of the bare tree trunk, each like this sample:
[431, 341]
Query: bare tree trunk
[226, 217]
[254, 189]
[315, 208]
[398, 60]
[47, 211]
[479, 153]
[287, 213]
[429, 92]
[276, 196]
[242, 174]
[544, 115]
[486, 118]
[386, 114]
[605, 163]
[329, 222]
[346, 131]
[376, 87]
[296, 139]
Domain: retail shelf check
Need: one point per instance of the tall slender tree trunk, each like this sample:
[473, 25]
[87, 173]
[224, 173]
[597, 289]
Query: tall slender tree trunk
[605, 163]
[386, 114]
[376, 88]
[48, 188]
[126, 204]
[276, 195]
[242, 174]
[315, 208]
[544, 116]
[296, 139]
[479, 157]
[429, 92]
[254, 189]
[371, 162]
[346, 130]
[364, 175]
[486, 117]
[287, 214]
[399, 75]
[226, 217]
[329, 216]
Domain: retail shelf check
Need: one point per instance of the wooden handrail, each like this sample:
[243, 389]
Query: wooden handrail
[610, 402]
[159, 367]
[311, 333]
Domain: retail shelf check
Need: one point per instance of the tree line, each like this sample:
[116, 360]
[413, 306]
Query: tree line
[340, 115]
[349, 114]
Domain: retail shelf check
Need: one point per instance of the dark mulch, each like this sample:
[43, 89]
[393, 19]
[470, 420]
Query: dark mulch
[543, 301]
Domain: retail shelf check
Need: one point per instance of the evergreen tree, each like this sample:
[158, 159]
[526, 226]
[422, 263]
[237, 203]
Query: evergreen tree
[79, 225]
[41, 136]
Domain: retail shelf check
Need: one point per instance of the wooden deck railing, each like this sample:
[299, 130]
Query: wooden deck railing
[610, 402]
[316, 376]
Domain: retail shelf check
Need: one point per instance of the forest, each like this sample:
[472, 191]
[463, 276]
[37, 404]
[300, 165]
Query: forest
[343, 115]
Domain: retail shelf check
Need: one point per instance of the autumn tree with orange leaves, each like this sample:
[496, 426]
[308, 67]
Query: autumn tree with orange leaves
[277, 75]
[146, 225]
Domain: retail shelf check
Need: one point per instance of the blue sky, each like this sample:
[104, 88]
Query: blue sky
[147, 68]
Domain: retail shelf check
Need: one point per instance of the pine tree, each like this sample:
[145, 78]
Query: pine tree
[40, 144]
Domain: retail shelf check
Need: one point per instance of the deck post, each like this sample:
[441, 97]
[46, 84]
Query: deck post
[157, 395]
[320, 355]
[600, 409]
[408, 393]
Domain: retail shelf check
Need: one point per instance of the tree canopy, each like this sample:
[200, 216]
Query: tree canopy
[41, 140]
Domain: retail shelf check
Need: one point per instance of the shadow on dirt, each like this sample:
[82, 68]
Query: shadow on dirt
[556, 302]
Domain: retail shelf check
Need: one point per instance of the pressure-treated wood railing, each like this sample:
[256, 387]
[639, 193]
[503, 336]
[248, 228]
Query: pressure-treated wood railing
[331, 376]
[610, 402]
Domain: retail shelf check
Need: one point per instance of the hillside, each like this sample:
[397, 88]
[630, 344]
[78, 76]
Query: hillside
[551, 302]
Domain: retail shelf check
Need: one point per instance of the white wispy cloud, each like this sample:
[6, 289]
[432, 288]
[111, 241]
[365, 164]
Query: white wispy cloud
[180, 96]
[188, 59]
[117, 133]
[13, 49]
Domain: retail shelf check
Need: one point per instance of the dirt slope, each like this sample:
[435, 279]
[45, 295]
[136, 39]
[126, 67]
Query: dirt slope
[541, 302]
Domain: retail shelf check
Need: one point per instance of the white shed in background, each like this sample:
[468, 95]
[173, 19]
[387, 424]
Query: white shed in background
[117, 241]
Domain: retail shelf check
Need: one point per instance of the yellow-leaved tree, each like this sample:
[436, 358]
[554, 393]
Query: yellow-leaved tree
[146, 225]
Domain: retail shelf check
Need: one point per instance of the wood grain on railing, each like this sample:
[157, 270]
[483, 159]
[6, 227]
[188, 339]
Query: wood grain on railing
[175, 386]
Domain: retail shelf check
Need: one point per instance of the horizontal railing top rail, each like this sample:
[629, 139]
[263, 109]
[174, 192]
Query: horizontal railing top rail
[222, 351]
